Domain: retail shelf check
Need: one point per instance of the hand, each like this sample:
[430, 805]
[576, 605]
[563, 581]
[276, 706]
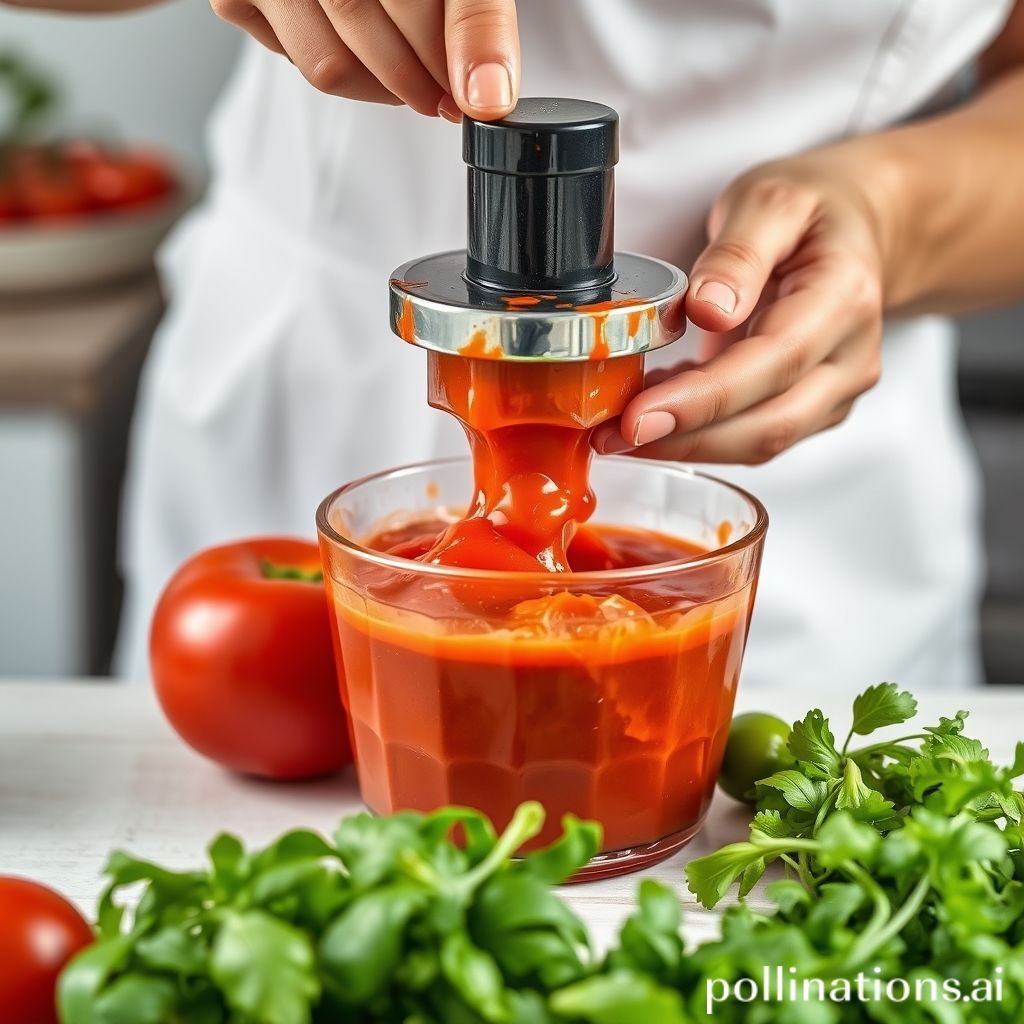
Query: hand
[791, 286]
[438, 56]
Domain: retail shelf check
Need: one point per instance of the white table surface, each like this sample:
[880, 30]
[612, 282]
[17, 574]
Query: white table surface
[89, 766]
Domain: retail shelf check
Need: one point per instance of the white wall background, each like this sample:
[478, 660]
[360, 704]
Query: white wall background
[151, 75]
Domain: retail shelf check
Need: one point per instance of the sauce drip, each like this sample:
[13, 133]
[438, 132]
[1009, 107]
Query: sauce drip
[529, 427]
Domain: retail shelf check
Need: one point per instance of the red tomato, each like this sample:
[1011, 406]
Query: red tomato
[243, 662]
[39, 932]
[47, 189]
[10, 208]
[119, 179]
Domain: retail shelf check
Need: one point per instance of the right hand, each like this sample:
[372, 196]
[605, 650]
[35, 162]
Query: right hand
[451, 57]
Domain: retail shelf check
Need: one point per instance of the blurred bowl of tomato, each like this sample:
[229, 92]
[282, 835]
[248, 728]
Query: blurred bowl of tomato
[76, 213]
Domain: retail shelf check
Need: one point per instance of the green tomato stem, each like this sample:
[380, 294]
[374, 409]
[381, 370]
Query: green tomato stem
[275, 571]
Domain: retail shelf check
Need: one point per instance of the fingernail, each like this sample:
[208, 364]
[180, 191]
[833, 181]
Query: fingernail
[718, 294]
[489, 87]
[449, 109]
[613, 443]
[653, 425]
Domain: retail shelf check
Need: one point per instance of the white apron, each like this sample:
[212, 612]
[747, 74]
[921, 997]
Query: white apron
[274, 377]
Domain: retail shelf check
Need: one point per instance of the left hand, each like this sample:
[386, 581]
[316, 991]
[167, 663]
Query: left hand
[791, 288]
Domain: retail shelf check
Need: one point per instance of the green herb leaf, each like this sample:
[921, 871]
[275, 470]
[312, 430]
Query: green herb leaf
[362, 947]
[852, 792]
[175, 948]
[528, 929]
[770, 825]
[371, 848]
[475, 975]
[710, 877]
[949, 726]
[85, 976]
[265, 968]
[812, 745]
[798, 790]
[841, 838]
[622, 997]
[1017, 768]
[136, 999]
[579, 842]
[881, 705]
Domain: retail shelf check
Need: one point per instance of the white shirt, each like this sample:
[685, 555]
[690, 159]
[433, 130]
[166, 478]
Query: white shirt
[274, 377]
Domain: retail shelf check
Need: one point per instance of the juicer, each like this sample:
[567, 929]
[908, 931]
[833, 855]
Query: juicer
[539, 279]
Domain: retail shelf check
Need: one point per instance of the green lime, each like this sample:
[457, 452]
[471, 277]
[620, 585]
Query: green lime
[756, 748]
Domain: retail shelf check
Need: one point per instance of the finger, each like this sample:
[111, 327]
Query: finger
[821, 400]
[607, 437]
[797, 332]
[373, 37]
[482, 42]
[752, 231]
[308, 39]
[449, 109]
[421, 22]
[245, 16]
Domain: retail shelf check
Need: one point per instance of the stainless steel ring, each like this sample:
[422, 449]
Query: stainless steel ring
[433, 306]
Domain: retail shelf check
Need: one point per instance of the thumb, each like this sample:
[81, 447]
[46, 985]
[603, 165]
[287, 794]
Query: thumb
[482, 41]
[752, 230]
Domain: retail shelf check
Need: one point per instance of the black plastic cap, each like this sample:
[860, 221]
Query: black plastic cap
[541, 196]
[545, 136]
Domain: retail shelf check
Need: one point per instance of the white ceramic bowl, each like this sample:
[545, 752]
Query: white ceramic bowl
[37, 257]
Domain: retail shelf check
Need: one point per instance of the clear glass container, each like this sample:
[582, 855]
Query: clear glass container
[605, 694]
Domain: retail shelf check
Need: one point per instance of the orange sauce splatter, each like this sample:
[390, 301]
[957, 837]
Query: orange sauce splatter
[518, 301]
[563, 305]
[601, 307]
[600, 349]
[477, 348]
[724, 532]
[600, 312]
[432, 491]
[406, 323]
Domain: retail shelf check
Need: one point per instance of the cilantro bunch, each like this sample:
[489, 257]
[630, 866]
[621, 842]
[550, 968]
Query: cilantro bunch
[389, 921]
[903, 859]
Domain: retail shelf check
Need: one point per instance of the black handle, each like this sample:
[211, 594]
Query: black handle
[541, 191]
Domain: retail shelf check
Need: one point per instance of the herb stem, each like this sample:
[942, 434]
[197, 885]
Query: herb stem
[525, 824]
[826, 806]
[846, 742]
[868, 944]
[803, 871]
[863, 751]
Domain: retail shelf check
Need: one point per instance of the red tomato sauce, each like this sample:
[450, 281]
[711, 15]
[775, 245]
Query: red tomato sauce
[610, 704]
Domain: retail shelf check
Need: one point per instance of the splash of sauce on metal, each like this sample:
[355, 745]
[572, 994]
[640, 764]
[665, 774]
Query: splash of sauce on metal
[406, 326]
[477, 348]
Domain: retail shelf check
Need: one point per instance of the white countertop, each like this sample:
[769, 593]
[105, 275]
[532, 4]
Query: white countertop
[89, 766]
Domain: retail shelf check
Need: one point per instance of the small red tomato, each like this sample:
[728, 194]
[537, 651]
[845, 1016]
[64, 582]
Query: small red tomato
[118, 179]
[10, 208]
[146, 176]
[242, 659]
[39, 932]
[47, 188]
